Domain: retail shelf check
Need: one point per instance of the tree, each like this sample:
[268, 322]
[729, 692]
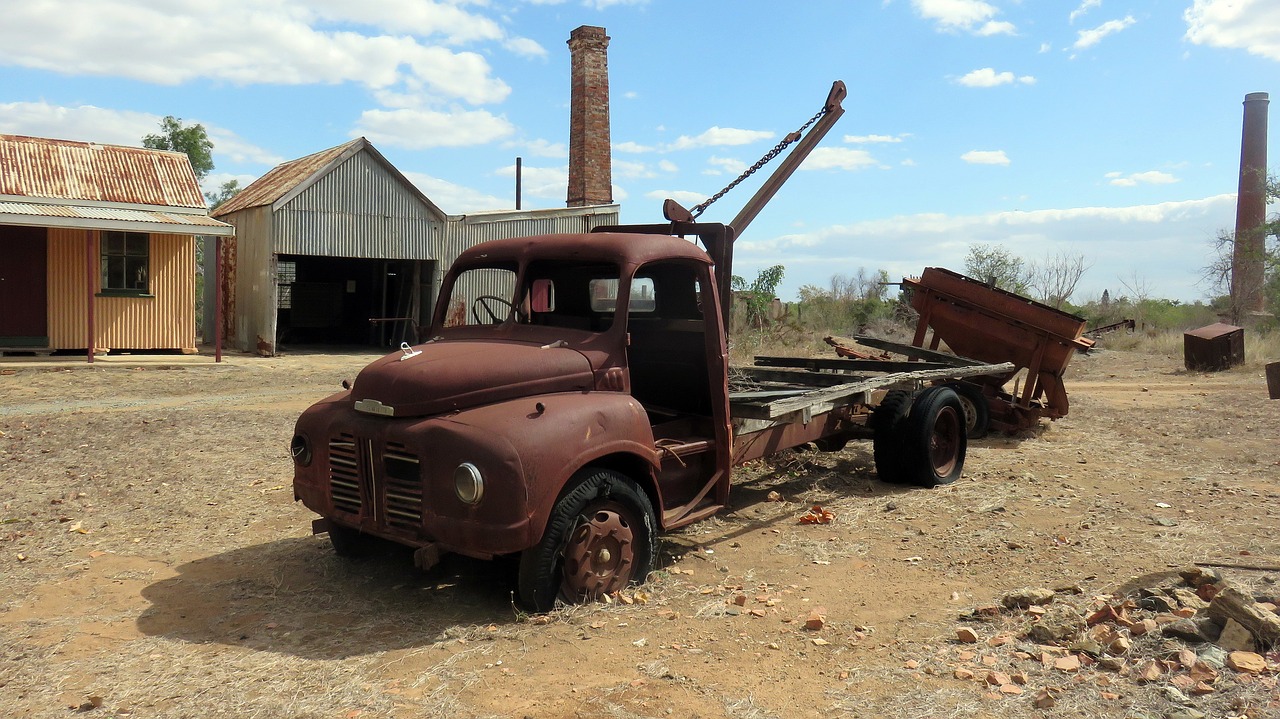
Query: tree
[1217, 274]
[1054, 280]
[191, 139]
[226, 191]
[758, 295]
[997, 267]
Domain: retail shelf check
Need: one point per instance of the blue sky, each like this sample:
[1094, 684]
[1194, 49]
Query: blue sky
[1105, 128]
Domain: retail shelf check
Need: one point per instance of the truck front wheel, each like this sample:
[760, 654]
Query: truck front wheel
[599, 539]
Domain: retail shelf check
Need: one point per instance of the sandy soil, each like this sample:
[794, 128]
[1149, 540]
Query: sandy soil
[155, 565]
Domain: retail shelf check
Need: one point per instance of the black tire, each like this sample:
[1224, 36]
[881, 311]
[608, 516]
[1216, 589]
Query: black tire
[351, 543]
[887, 424]
[977, 413]
[934, 440]
[600, 538]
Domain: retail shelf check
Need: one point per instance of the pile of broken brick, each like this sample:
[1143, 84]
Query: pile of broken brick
[1192, 636]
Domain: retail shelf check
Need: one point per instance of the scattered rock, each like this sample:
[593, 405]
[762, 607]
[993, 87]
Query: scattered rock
[998, 679]
[1231, 603]
[1145, 626]
[1149, 671]
[1248, 662]
[1235, 638]
[1120, 646]
[1044, 699]
[1212, 655]
[967, 635]
[1191, 630]
[1187, 713]
[1026, 597]
[1059, 623]
[816, 620]
[1067, 664]
[1187, 598]
[962, 673]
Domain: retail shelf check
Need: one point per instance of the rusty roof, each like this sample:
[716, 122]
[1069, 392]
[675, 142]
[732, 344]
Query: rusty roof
[111, 218]
[287, 180]
[73, 171]
[283, 178]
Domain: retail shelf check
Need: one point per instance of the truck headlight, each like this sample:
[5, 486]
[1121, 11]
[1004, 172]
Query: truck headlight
[300, 449]
[468, 484]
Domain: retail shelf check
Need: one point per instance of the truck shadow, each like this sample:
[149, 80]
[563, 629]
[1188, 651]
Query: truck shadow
[294, 596]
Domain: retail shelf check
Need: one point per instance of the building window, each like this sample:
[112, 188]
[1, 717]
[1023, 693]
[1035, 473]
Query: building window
[126, 262]
[286, 276]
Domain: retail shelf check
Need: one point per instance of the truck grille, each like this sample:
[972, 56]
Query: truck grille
[344, 474]
[386, 489]
[403, 489]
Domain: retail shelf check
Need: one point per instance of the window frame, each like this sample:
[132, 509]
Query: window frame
[129, 257]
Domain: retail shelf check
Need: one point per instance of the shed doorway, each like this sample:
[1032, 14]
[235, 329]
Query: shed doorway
[350, 302]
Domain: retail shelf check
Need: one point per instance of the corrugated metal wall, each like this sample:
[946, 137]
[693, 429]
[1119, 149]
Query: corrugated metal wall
[357, 210]
[249, 312]
[470, 230]
[165, 321]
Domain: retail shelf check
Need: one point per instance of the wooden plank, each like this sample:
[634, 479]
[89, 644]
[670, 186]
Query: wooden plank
[849, 365]
[800, 377]
[917, 352]
[838, 395]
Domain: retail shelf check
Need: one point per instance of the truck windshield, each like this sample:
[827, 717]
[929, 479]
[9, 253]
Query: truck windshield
[560, 293]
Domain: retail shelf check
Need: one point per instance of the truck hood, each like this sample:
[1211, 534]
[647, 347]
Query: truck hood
[447, 376]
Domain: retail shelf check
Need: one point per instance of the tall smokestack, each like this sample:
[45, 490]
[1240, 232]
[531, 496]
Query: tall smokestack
[590, 166]
[1247, 267]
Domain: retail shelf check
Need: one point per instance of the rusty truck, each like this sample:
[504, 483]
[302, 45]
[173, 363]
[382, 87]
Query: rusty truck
[581, 403]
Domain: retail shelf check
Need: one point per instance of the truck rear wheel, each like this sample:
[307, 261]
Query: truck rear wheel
[977, 413]
[934, 439]
[599, 539]
[887, 423]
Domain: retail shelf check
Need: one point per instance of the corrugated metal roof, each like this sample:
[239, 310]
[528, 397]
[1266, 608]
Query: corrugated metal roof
[38, 167]
[110, 218]
[286, 181]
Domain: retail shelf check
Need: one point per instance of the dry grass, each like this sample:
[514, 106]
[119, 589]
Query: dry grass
[1260, 348]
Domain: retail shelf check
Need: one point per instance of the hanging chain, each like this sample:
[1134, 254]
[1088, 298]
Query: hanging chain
[777, 150]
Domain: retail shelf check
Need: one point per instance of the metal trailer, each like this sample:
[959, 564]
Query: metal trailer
[988, 324]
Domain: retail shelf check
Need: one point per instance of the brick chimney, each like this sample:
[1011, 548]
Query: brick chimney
[1248, 271]
[590, 164]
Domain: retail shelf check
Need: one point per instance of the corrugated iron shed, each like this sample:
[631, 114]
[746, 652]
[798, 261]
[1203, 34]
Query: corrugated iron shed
[290, 179]
[37, 167]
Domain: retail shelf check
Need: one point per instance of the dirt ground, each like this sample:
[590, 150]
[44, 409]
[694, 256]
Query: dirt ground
[154, 564]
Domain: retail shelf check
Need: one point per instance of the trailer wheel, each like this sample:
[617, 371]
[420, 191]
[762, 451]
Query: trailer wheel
[599, 539]
[934, 439]
[887, 421]
[349, 542]
[977, 413]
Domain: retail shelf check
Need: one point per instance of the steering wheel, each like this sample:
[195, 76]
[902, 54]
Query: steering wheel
[486, 303]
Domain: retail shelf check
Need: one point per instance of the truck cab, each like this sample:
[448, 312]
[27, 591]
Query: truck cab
[570, 402]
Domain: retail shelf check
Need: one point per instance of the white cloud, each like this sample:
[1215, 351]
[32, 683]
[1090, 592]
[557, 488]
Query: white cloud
[1089, 38]
[546, 182]
[722, 165]
[541, 148]
[1165, 243]
[418, 129]
[118, 127]
[1151, 177]
[286, 42]
[996, 28]
[1045, 47]
[868, 139]
[838, 158]
[719, 137]
[668, 166]
[633, 147]
[988, 77]
[1085, 7]
[951, 15]
[985, 157]
[1250, 25]
[455, 199]
[686, 198]
[632, 170]
[525, 47]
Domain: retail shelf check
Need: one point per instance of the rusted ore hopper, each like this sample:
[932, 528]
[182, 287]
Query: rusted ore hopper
[992, 325]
